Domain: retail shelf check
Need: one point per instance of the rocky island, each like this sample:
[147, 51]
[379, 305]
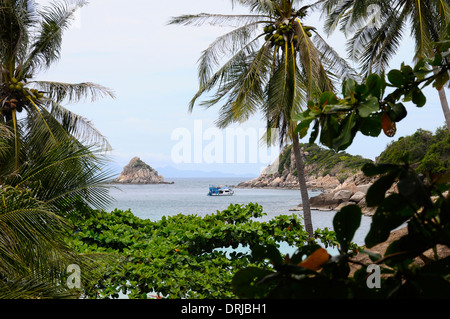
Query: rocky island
[138, 172]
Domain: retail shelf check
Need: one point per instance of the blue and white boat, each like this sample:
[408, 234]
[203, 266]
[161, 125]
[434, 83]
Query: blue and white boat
[215, 190]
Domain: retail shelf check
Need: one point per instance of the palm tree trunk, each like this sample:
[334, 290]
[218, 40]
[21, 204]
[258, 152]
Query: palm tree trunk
[445, 108]
[303, 189]
[444, 103]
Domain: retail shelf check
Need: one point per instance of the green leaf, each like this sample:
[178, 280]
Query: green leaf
[418, 98]
[270, 252]
[346, 133]
[392, 212]
[441, 80]
[397, 78]
[375, 85]
[397, 112]
[376, 193]
[345, 224]
[302, 128]
[348, 87]
[245, 285]
[328, 98]
[368, 107]
[330, 129]
[371, 126]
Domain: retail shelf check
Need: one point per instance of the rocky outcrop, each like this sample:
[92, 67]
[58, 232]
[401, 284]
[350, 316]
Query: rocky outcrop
[352, 191]
[272, 178]
[138, 172]
[337, 191]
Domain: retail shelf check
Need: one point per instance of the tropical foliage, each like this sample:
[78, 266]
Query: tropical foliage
[427, 152]
[376, 30]
[182, 256]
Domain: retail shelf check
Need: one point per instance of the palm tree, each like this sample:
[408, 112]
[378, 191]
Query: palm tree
[30, 41]
[270, 65]
[378, 36]
[50, 158]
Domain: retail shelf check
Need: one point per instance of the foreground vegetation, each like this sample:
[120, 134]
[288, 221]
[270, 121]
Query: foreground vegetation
[181, 256]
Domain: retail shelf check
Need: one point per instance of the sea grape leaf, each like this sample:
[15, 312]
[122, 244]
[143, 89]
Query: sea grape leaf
[345, 224]
[375, 85]
[371, 125]
[368, 107]
[388, 126]
[376, 193]
[418, 98]
[370, 169]
[392, 212]
[397, 112]
[346, 133]
[397, 78]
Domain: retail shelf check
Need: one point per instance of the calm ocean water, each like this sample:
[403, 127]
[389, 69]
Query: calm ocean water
[188, 196]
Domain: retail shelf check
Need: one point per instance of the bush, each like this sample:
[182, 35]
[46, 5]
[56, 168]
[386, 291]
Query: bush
[182, 256]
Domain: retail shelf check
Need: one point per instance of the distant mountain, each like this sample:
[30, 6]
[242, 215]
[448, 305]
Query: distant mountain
[172, 172]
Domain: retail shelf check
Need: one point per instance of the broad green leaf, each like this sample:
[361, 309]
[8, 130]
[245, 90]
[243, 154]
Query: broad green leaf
[328, 98]
[441, 80]
[418, 98]
[376, 193]
[345, 224]
[346, 133]
[375, 85]
[330, 129]
[392, 213]
[368, 107]
[397, 78]
[348, 87]
[397, 112]
[371, 125]
[302, 128]
[267, 252]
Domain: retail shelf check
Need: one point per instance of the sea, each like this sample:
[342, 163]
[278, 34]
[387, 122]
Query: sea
[189, 196]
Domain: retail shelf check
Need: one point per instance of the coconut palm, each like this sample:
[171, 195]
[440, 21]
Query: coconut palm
[269, 63]
[48, 161]
[377, 32]
[30, 42]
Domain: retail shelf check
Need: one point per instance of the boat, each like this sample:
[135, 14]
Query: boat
[216, 190]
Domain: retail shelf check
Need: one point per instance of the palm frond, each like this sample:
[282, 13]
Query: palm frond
[380, 44]
[232, 20]
[72, 92]
[228, 44]
[46, 47]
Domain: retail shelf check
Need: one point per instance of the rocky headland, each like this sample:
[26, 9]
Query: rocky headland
[337, 175]
[138, 172]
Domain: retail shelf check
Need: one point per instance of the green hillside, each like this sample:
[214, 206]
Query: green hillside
[322, 161]
[427, 151]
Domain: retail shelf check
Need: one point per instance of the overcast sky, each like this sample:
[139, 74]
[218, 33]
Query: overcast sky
[152, 68]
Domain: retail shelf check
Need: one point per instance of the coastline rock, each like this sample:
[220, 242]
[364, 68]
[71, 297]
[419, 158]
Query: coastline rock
[138, 172]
